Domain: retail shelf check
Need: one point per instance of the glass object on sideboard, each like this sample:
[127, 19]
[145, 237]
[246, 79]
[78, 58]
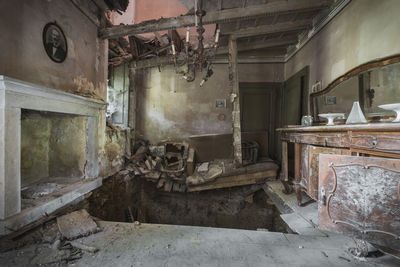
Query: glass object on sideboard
[306, 120]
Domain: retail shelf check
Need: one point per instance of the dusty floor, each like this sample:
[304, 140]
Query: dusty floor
[128, 244]
[246, 207]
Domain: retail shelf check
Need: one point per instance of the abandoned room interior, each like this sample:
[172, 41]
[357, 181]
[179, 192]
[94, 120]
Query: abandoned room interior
[200, 133]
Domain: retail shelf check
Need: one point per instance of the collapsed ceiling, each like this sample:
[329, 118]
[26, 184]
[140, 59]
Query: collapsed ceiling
[261, 27]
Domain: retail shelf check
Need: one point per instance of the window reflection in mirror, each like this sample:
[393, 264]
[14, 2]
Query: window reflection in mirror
[384, 87]
[374, 87]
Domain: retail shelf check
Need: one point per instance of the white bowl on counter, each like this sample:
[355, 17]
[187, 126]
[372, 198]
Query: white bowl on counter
[393, 107]
[331, 117]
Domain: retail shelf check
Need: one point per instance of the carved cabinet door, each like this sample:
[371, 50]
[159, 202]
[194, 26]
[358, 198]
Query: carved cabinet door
[360, 196]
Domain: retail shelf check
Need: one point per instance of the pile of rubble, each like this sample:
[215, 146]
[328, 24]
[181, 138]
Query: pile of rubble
[170, 166]
[167, 165]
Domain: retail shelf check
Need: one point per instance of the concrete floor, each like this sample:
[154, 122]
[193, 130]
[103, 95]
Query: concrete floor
[127, 244]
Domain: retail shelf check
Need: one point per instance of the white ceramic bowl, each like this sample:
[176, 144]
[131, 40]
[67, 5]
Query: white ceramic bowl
[331, 116]
[394, 107]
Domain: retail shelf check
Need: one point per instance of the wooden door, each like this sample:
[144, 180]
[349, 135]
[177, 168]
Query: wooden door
[258, 112]
[360, 196]
[255, 102]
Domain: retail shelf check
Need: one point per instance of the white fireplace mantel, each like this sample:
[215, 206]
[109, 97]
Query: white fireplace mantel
[16, 95]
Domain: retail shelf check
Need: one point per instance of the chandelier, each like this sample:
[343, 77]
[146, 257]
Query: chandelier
[196, 59]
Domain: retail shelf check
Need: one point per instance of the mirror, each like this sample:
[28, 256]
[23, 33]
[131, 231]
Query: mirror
[372, 84]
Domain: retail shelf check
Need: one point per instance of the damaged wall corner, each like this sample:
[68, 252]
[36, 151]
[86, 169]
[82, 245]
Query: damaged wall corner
[234, 87]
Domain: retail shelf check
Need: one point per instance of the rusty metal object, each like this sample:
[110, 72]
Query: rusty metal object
[361, 198]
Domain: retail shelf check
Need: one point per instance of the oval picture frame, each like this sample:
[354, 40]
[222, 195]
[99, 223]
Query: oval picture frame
[54, 42]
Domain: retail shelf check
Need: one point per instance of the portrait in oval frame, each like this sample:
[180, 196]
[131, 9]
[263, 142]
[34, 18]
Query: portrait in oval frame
[54, 42]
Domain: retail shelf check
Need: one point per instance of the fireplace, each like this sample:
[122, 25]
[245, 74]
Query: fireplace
[45, 135]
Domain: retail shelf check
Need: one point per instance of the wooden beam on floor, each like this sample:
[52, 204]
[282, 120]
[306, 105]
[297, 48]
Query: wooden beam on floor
[214, 17]
[236, 180]
[272, 28]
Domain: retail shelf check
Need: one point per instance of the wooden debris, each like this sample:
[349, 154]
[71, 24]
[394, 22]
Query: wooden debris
[203, 167]
[144, 170]
[176, 187]
[190, 162]
[203, 177]
[161, 183]
[148, 164]
[168, 186]
[182, 189]
[153, 175]
[236, 180]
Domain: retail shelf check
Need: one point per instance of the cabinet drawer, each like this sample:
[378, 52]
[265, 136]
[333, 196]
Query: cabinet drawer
[383, 142]
[321, 139]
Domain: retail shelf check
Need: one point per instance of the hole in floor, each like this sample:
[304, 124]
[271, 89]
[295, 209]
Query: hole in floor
[125, 199]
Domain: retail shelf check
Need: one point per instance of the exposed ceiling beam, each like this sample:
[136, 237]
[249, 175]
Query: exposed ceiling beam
[166, 60]
[155, 61]
[273, 28]
[260, 45]
[251, 60]
[223, 16]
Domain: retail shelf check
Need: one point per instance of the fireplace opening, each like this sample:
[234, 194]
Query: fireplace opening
[53, 151]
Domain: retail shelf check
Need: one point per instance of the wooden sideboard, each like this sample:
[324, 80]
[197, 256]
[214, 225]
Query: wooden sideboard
[378, 139]
[353, 171]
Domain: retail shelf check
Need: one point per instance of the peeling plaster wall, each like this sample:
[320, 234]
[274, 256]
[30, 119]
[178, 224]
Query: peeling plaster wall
[23, 56]
[169, 107]
[22, 52]
[365, 30]
[115, 147]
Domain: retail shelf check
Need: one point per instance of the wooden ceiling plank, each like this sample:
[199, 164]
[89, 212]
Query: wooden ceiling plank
[260, 45]
[271, 28]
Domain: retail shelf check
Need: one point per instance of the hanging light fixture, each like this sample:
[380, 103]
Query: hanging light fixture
[196, 60]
